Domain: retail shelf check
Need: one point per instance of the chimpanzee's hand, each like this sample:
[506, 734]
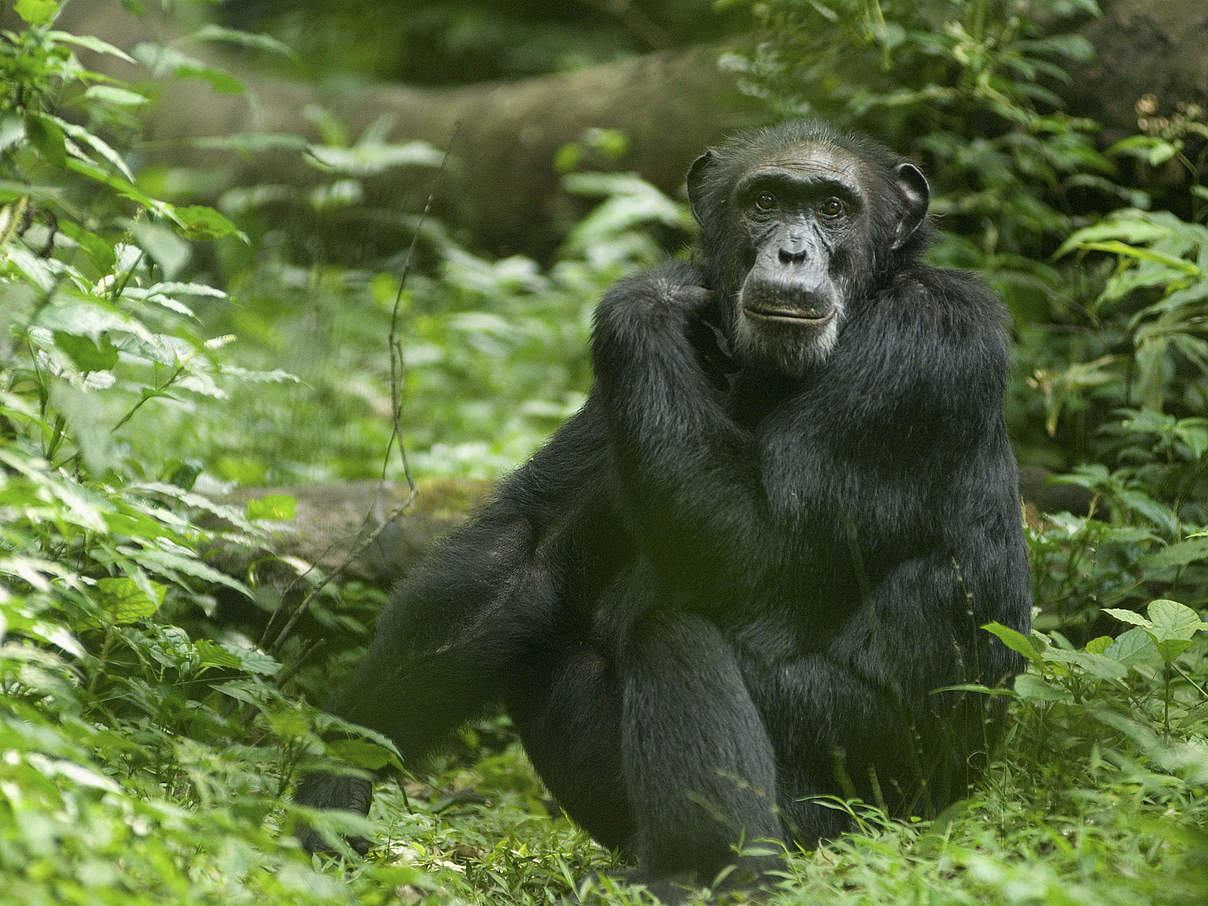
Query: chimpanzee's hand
[650, 319]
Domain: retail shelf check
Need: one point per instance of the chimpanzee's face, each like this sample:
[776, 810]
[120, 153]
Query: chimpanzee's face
[807, 227]
[801, 221]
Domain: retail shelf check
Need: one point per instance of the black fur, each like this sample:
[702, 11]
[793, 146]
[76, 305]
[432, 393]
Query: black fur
[733, 582]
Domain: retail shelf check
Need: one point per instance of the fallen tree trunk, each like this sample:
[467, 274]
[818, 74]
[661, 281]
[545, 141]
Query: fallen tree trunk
[333, 523]
[670, 104]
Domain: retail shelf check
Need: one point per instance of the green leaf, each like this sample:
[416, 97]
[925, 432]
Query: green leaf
[120, 97]
[94, 44]
[289, 724]
[1134, 229]
[98, 144]
[1092, 664]
[1099, 644]
[1014, 640]
[201, 222]
[1033, 688]
[174, 566]
[48, 138]
[211, 654]
[1172, 620]
[1131, 251]
[126, 600]
[1126, 616]
[369, 158]
[1179, 554]
[243, 38]
[362, 753]
[277, 507]
[1135, 647]
[37, 12]
[88, 354]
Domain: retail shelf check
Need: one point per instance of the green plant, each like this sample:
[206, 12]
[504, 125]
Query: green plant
[143, 764]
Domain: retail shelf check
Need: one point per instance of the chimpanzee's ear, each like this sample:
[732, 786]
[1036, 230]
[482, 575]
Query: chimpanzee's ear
[915, 196]
[697, 174]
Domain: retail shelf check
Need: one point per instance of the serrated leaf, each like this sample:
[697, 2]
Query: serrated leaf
[1126, 616]
[126, 601]
[98, 144]
[1172, 620]
[171, 564]
[1014, 640]
[1178, 554]
[90, 43]
[211, 654]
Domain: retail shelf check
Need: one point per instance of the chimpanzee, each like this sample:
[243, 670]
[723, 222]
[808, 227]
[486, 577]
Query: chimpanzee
[743, 579]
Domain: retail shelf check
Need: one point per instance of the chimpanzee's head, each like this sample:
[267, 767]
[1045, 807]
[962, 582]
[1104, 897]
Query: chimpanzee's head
[799, 223]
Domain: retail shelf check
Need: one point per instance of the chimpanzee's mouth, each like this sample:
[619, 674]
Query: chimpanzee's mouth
[790, 315]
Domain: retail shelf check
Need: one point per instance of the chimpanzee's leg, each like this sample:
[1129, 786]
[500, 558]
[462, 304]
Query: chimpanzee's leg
[698, 761]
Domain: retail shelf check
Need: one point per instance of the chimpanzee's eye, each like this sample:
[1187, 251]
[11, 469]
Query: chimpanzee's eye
[766, 201]
[832, 207]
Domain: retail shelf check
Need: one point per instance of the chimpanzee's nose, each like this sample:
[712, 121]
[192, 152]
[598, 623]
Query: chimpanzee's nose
[792, 255]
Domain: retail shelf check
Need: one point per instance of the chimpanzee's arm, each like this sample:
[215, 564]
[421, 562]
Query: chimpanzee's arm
[688, 471]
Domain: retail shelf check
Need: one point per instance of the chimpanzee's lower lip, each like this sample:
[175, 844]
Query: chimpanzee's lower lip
[788, 316]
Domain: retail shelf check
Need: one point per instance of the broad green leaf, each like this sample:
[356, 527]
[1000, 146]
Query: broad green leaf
[278, 507]
[211, 654]
[1099, 644]
[289, 724]
[1095, 665]
[362, 753]
[45, 135]
[1135, 647]
[1170, 649]
[1033, 688]
[88, 354]
[1014, 640]
[37, 12]
[125, 601]
[1172, 620]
